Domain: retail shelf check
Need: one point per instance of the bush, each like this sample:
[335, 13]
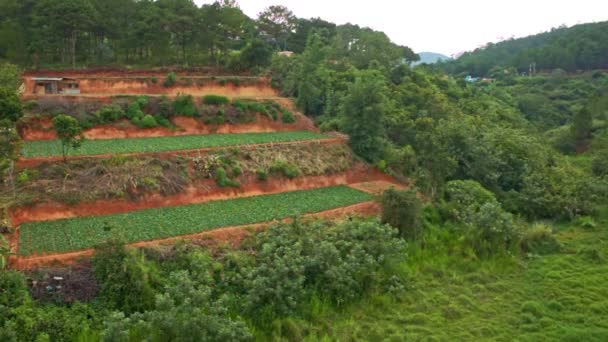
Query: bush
[401, 209]
[14, 291]
[109, 114]
[340, 263]
[125, 283]
[261, 175]
[599, 164]
[170, 80]
[286, 169]
[539, 240]
[288, 117]
[184, 105]
[222, 180]
[134, 111]
[142, 101]
[486, 226]
[148, 121]
[215, 100]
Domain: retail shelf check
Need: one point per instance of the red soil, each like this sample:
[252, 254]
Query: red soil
[42, 129]
[230, 235]
[204, 191]
[35, 161]
[132, 85]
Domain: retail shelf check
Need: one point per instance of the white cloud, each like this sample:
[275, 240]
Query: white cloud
[445, 26]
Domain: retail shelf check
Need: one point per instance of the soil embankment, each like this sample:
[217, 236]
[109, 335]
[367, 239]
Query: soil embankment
[203, 191]
[230, 235]
[42, 128]
[35, 161]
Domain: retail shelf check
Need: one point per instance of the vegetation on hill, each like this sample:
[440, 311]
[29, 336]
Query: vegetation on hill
[500, 236]
[580, 47]
[50, 148]
[167, 32]
[431, 58]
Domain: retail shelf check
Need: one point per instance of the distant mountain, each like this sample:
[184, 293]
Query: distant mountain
[430, 58]
[580, 47]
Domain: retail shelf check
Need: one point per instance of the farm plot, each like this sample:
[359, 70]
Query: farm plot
[86, 232]
[52, 148]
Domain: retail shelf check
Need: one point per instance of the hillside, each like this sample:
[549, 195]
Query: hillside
[430, 58]
[169, 172]
[580, 47]
[172, 155]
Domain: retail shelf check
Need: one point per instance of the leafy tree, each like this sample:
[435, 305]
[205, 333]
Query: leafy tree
[277, 23]
[401, 209]
[10, 76]
[69, 132]
[363, 111]
[10, 105]
[125, 282]
[488, 229]
[180, 16]
[257, 53]
[581, 127]
[10, 143]
[67, 19]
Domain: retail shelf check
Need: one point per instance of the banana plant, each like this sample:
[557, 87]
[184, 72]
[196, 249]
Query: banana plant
[5, 252]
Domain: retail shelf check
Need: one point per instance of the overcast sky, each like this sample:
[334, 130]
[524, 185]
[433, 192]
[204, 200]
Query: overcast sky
[444, 26]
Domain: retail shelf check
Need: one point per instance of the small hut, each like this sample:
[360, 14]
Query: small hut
[55, 85]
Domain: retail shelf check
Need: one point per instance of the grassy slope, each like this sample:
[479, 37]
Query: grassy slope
[559, 297]
[48, 148]
[85, 232]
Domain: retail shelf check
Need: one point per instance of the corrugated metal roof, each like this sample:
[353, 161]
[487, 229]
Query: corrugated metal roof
[47, 78]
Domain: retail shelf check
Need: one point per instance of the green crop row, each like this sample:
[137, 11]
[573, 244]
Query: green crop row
[50, 148]
[150, 224]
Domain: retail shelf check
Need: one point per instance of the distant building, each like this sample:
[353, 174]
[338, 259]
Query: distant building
[55, 85]
[286, 53]
[471, 79]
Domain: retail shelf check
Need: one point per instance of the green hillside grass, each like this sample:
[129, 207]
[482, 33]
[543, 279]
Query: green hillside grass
[85, 232]
[557, 297]
[52, 148]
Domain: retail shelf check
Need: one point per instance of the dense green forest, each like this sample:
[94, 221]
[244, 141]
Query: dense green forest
[581, 47]
[501, 236]
[61, 33]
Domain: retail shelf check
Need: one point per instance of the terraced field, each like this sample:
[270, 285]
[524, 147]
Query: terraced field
[86, 232]
[52, 148]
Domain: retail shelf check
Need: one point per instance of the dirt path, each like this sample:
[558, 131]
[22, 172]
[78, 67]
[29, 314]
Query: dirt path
[35, 161]
[231, 235]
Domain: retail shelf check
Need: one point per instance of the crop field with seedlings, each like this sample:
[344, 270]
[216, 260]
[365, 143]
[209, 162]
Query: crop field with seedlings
[86, 232]
[52, 148]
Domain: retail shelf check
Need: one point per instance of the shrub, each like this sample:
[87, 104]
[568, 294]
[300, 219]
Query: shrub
[109, 114]
[148, 121]
[222, 180]
[14, 290]
[539, 240]
[184, 105]
[401, 209]
[142, 101]
[287, 117]
[154, 80]
[170, 80]
[215, 100]
[261, 175]
[286, 169]
[599, 164]
[486, 226]
[337, 262]
[125, 283]
[134, 111]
